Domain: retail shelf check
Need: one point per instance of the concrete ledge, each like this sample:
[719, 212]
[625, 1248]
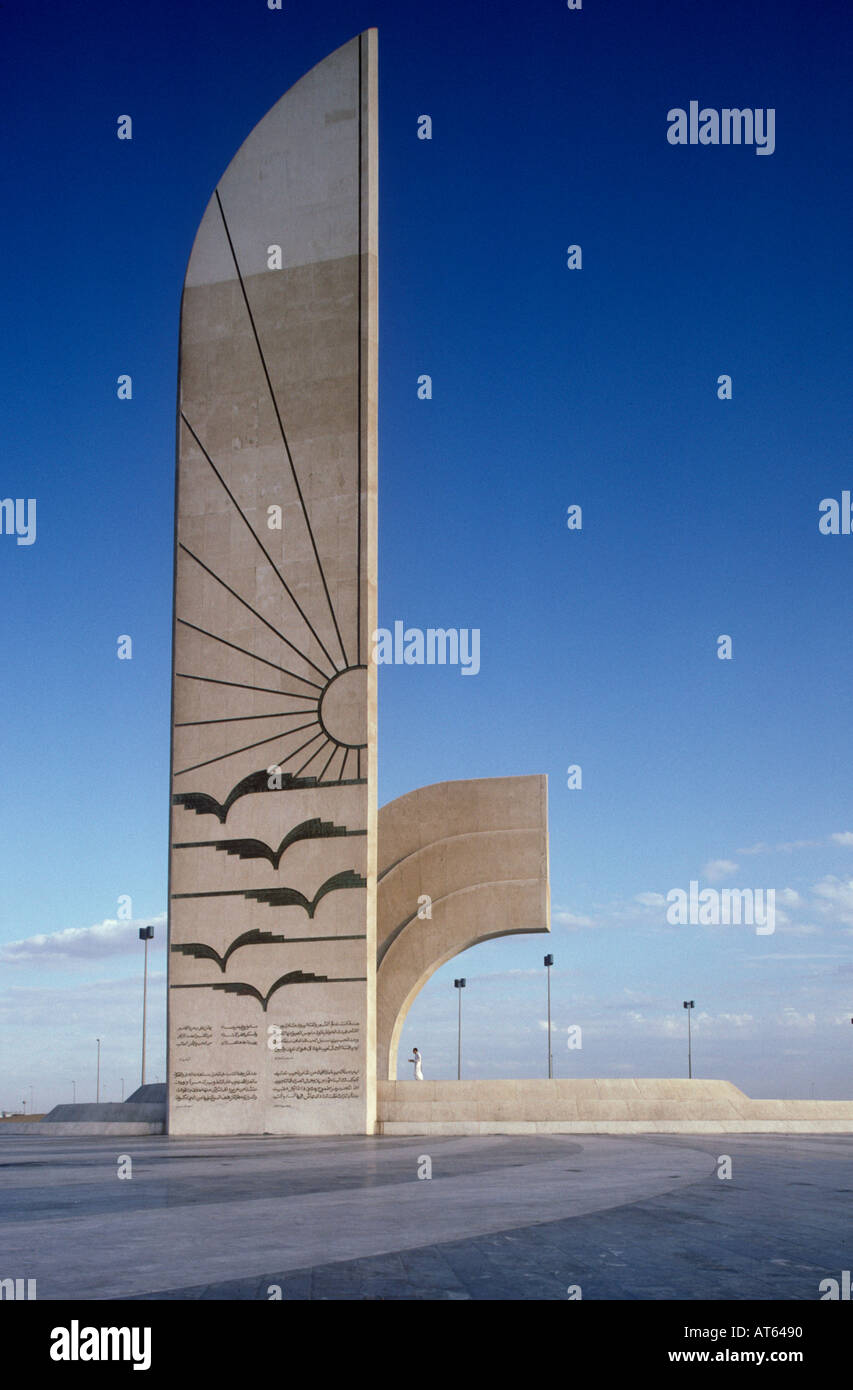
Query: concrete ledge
[108, 1112]
[115, 1118]
[66, 1128]
[477, 1127]
[598, 1106]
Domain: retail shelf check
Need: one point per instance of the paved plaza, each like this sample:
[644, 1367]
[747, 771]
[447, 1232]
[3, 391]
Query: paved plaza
[500, 1218]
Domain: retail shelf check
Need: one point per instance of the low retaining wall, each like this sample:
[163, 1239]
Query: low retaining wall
[593, 1106]
[68, 1128]
[105, 1117]
[590, 1106]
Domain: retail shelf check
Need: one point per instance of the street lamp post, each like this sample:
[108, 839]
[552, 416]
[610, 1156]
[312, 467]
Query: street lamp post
[145, 934]
[98, 1074]
[689, 1005]
[459, 985]
[549, 961]
[74, 1092]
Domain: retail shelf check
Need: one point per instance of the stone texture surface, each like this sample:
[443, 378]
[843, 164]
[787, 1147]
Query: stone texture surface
[479, 851]
[120, 1111]
[67, 1128]
[272, 676]
[593, 1106]
[501, 1218]
[153, 1093]
[144, 1112]
[273, 865]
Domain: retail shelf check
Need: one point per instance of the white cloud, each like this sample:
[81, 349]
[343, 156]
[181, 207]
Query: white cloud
[724, 1025]
[650, 899]
[716, 869]
[843, 837]
[508, 974]
[775, 956]
[805, 1023]
[786, 846]
[108, 938]
[836, 898]
[572, 919]
[635, 996]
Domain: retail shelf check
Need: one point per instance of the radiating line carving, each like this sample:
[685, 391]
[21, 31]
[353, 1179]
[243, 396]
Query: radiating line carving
[284, 439]
[264, 550]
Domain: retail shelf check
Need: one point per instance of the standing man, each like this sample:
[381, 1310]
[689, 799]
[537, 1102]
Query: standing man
[417, 1059]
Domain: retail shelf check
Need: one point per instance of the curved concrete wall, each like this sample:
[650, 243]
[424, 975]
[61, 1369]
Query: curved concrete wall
[479, 851]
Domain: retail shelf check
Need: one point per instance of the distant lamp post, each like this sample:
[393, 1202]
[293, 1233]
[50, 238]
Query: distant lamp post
[98, 1074]
[74, 1092]
[122, 1088]
[32, 1102]
[145, 934]
[549, 961]
[460, 985]
[689, 1004]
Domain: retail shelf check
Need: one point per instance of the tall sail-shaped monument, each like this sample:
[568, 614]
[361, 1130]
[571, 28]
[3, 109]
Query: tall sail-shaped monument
[273, 823]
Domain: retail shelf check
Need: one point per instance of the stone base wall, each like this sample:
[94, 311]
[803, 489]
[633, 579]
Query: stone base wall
[592, 1106]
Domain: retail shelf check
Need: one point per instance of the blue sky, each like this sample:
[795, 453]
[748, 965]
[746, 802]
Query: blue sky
[550, 387]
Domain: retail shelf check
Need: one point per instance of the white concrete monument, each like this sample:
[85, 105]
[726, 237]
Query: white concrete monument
[273, 897]
[273, 827]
